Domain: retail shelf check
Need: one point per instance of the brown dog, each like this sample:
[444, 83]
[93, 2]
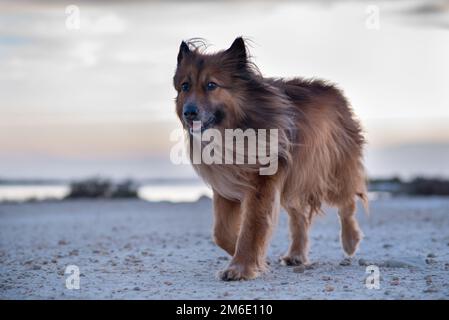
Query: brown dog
[319, 151]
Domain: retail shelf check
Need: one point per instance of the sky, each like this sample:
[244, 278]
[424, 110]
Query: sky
[97, 97]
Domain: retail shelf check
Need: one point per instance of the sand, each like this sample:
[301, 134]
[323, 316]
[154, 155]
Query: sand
[131, 249]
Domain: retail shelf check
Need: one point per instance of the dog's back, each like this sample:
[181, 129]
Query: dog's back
[327, 147]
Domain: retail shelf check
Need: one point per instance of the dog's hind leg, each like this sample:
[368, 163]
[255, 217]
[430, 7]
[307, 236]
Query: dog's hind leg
[299, 224]
[227, 219]
[350, 230]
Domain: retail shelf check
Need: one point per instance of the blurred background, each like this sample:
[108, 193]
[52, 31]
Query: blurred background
[86, 86]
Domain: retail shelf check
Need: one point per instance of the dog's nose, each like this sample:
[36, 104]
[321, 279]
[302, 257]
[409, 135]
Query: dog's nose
[190, 112]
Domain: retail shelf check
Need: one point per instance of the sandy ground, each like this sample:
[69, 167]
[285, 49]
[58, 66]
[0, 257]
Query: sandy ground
[140, 250]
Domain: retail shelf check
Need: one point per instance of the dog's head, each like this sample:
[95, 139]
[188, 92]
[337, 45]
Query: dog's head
[210, 87]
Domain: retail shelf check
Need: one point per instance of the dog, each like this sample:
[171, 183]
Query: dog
[320, 148]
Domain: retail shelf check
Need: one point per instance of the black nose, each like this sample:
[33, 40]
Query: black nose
[190, 112]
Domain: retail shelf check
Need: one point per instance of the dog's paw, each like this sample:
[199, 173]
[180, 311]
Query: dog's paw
[294, 260]
[238, 272]
[350, 239]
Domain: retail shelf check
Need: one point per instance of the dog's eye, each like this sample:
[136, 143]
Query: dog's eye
[211, 86]
[185, 86]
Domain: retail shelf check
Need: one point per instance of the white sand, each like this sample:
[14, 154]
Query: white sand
[139, 250]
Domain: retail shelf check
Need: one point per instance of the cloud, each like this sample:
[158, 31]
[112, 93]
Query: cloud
[106, 24]
[87, 52]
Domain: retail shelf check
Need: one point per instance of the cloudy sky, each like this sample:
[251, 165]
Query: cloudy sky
[96, 96]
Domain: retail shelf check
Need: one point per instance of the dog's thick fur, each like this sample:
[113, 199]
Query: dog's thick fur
[320, 154]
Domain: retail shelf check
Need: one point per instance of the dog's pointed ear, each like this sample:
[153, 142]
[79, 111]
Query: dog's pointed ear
[183, 51]
[238, 50]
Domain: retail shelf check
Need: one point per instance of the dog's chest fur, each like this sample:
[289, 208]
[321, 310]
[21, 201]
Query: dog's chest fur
[227, 180]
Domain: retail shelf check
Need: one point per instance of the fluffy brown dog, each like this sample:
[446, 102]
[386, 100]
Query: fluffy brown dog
[319, 150]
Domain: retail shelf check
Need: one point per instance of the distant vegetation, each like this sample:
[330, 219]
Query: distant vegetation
[417, 187]
[105, 188]
[102, 188]
[427, 187]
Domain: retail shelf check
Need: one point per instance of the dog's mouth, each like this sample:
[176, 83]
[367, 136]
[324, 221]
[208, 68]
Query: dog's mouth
[211, 122]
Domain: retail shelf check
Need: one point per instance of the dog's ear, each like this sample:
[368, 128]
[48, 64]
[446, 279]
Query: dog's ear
[183, 51]
[237, 51]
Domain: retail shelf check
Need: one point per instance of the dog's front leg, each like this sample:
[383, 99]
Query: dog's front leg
[226, 223]
[260, 208]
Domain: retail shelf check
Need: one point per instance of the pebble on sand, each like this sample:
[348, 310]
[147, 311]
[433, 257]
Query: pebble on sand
[345, 262]
[431, 290]
[363, 262]
[329, 288]
[74, 252]
[389, 263]
[395, 281]
[396, 264]
[299, 269]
